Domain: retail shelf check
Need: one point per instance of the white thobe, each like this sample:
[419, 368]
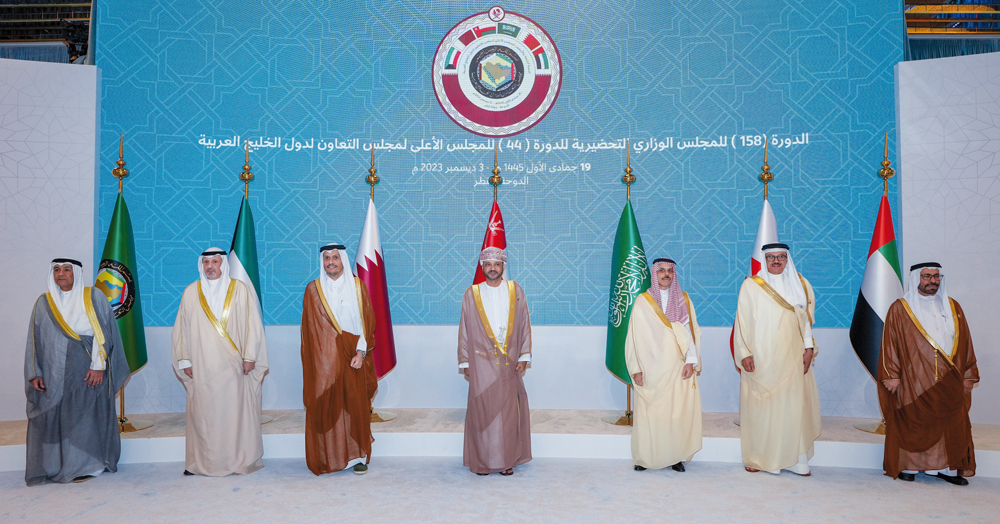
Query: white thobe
[691, 357]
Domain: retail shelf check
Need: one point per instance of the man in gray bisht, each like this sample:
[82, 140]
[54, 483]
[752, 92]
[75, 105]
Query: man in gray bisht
[73, 366]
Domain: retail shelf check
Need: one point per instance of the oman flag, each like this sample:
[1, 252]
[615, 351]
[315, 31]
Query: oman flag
[767, 233]
[370, 268]
[880, 287]
[495, 237]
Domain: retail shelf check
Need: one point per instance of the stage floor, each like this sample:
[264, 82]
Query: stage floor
[555, 434]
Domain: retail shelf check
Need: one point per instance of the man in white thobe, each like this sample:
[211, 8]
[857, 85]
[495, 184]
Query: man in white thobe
[779, 400]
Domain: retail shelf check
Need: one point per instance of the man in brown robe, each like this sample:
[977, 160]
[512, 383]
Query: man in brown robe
[494, 348]
[927, 370]
[338, 335]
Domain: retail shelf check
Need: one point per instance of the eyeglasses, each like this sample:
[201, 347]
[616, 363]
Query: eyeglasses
[772, 258]
[931, 277]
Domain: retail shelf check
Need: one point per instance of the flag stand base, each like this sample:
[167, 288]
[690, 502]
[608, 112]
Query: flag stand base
[616, 420]
[382, 416]
[878, 428]
[264, 419]
[131, 426]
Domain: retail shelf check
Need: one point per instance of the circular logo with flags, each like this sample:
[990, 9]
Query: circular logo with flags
[497, 73]
[115, 280]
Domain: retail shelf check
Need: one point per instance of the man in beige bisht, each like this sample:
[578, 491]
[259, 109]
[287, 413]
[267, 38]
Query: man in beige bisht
[662, 352]
[494, 348]
[779, 401]
[221, 358]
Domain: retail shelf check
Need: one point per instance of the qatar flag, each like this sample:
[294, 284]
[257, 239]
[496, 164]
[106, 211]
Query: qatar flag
[371, 270]
[767, 233]
[495, 237]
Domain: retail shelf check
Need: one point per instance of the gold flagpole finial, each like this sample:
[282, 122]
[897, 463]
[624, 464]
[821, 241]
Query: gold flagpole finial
[372, 178]
[120, 171]
[886, 172]
[628, 178]
[246, 176]
[496, 179]
[766, 175]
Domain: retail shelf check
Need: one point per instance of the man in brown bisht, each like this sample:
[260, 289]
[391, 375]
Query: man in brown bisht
[220, 356]
[494, 348]
[339, 383]
[927, 369]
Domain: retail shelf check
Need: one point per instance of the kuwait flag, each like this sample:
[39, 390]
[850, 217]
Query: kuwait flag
[495, 237]
[119, 280]
[767, 233]
[881, 286]
[243, 254]
[371, 270]
[629, 279]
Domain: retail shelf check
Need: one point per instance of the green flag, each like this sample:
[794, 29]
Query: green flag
[118, 279]
[243, 254]
[629, 279]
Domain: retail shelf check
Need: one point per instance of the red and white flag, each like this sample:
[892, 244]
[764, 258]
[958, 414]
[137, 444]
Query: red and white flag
[767, 233]
[495, 237]
[371, 270]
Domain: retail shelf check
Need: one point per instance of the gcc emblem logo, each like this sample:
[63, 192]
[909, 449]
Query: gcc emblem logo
[497, 73]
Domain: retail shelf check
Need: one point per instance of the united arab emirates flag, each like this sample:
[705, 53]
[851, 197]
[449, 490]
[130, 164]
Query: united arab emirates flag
[118, 278]
[880, 287]
[243, 254]
[495, 237]
[629, 279]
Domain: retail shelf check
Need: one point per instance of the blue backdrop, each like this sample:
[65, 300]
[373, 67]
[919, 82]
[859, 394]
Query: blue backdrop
[180, 78]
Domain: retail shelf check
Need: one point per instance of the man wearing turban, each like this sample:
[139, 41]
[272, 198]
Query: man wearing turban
[494, 348]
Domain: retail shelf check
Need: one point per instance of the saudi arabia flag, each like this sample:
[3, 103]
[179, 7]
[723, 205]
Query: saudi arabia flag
[629, 279]
[118, 278]
[881, 286]
[243, 254]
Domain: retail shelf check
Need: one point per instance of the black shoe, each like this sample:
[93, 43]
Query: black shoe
[908, 477]
[186, 472]
[482, 474]
[956, 480]
[678, 467]
[638, 468]
[85, 478]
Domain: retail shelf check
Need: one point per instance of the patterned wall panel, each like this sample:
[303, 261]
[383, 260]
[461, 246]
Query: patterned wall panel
[678, 79]
[949, 128]
[48, 122]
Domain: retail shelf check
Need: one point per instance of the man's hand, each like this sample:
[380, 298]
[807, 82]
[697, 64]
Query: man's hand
[38, 383]
[94, 377]
[465, 371]
[357, 360]
[968, 386]
[188, 372]
[807, 360]
[247, 367]
[891, 384]
[637, 379]
[688, 371]
[748, 364]
[521, 366]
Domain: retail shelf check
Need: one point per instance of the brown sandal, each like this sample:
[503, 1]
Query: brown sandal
[750, 470]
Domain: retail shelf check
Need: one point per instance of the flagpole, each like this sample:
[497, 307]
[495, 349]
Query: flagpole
[765, 174]
[496, 179]
[626, 418]
[885, 173]
[124, 424]
[246, 176]
[376, 416]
